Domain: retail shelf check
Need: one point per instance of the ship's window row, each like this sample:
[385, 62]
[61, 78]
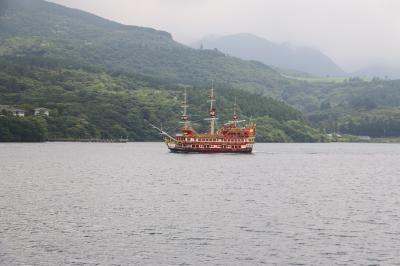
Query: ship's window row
[216, 140]
[236, 134]
[210, 146]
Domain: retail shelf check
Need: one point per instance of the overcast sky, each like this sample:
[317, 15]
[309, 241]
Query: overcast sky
[354, 33]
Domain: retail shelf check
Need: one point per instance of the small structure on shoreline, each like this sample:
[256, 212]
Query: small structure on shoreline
[13, 110]
[41, 111]
[364, 138]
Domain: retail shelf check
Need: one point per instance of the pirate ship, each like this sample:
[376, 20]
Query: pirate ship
[231, 138]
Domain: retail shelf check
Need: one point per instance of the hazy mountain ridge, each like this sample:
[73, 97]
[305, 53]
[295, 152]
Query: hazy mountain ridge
[250, 47]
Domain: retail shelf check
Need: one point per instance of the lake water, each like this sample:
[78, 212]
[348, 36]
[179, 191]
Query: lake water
[137, 204]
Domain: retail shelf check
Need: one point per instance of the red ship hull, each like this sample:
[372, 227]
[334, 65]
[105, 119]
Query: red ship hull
[194, 150]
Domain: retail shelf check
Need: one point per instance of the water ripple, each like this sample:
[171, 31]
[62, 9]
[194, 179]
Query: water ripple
[114, 204]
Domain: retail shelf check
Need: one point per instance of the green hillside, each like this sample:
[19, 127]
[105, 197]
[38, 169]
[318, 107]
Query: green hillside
[344, 105]
[48, 30]
[87, 102]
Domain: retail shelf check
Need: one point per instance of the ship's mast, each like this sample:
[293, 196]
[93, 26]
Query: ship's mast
[212, 112]
[235, 116]
[235, 121]
[185, 117]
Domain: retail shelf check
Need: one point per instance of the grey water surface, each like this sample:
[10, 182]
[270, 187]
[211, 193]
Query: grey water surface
[137, 204]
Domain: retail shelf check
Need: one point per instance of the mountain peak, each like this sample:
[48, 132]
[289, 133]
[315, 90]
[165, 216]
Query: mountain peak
[252, 47]
[20, 15]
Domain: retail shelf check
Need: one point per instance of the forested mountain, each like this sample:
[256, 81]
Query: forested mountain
[250, 47]
[101, 79]
[36, 27]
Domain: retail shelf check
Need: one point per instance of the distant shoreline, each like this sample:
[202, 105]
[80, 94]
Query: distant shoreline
[372, 141]
[89, 140]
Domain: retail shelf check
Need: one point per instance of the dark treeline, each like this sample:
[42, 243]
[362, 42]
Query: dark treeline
[25, 129]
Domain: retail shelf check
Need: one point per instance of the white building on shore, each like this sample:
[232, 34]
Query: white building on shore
[42, 111]
[11, 109]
